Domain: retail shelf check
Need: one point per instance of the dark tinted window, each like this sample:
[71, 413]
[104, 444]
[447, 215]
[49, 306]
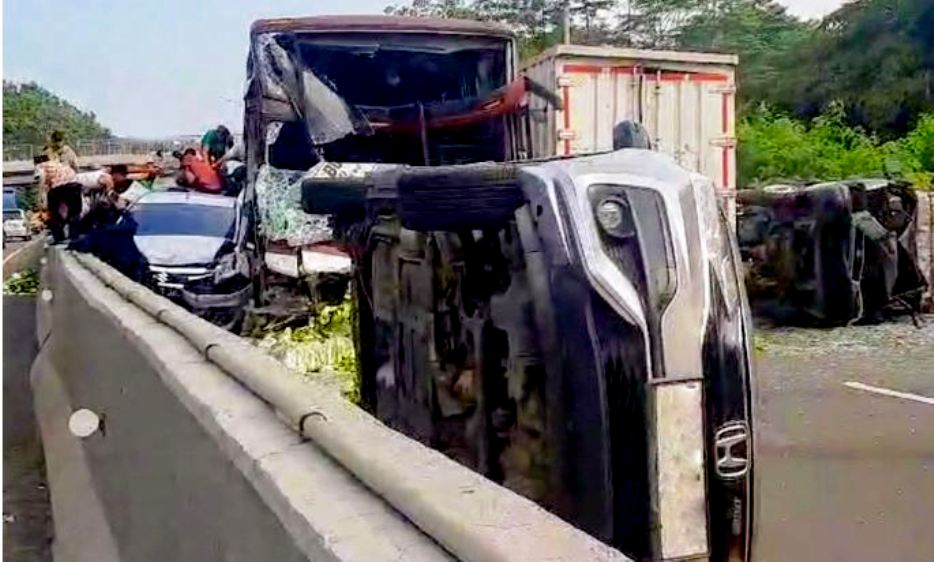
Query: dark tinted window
[14, 215]
[184, 220]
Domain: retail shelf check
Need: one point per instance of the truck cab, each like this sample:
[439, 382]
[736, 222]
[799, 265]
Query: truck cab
[332, 96]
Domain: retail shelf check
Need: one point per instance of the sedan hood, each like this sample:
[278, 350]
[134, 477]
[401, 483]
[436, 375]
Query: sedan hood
[179, 250]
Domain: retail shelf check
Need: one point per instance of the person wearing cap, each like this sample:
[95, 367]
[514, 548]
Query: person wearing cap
[58, 150]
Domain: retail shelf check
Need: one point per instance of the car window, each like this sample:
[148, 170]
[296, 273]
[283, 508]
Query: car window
[12, 215]
[184, 220]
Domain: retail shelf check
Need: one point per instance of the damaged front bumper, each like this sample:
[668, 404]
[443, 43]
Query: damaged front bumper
[194, 287]
[203, 301]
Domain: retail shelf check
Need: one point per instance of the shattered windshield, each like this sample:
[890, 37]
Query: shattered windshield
[365, 97]
[393, 73]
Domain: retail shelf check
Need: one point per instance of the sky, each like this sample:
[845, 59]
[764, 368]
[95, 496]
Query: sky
[157, 68]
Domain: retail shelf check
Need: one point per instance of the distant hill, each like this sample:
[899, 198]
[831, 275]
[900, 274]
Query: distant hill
[30, 113]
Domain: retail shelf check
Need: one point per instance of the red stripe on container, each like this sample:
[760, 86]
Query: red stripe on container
[666, 75]
[726, 167]
[725, 121]
[725, 112]
[670, 76]
[566, 95]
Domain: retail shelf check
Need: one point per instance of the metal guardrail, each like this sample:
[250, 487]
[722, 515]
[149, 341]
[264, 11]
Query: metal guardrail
[104, 147]
[14, 152]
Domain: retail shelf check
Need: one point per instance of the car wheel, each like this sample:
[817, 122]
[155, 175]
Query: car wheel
[459, 198]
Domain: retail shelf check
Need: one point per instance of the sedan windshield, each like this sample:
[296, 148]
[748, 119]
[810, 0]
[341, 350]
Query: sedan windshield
[184, 220]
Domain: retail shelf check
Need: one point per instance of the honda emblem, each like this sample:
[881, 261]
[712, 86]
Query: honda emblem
[731, 446]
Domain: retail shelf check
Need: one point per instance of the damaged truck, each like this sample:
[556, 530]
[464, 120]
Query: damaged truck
[831, 254]
[572, 328]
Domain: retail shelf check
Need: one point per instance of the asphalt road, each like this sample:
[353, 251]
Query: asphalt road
[27, 527]
[12, 246]
[846, 472]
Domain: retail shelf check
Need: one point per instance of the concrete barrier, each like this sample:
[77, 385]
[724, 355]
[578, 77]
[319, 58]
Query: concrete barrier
[192, 465]
[189, 465]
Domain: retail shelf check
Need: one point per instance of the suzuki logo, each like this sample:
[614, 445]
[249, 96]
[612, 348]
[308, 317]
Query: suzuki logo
[731, 445]
[162, 277]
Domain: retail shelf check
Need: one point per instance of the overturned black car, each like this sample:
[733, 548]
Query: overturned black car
[833, 253]
[574, 329]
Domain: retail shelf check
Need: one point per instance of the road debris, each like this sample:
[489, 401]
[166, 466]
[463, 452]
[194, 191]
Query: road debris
[22, 283]
[323, 348]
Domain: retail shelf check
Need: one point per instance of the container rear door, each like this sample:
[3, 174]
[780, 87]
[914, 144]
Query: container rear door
[687, 112]
[690, 116]
[595, 97]
[543, 118]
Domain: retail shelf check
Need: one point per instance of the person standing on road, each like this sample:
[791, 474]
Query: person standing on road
[59, 193]
[215, 143]
[58, 150]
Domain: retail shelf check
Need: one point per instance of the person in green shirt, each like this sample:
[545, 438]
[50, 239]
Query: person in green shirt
[215, 143]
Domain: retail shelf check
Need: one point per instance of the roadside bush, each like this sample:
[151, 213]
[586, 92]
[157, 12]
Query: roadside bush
[775, 147]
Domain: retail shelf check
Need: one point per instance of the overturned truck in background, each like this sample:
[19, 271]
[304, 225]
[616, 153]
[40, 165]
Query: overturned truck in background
[574, 329]
[832, 253]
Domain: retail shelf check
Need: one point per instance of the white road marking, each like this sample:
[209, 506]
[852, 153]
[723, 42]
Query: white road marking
[8, 257]
[888, 392]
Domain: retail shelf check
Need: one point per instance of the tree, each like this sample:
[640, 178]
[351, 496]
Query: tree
[877, 56]
[657, 23]
[434, 9]
[31, 113]
[537, 23]
[761, 32]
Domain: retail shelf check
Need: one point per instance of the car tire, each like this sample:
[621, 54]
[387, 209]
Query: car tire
[459, 198]
[334, 196]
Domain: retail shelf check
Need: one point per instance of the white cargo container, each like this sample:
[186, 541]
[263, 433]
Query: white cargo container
[685, 101]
